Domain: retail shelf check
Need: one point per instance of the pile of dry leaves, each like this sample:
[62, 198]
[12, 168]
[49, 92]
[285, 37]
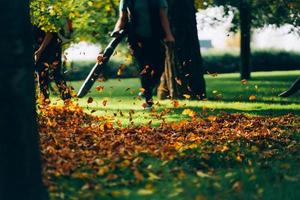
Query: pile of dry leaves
[72, 139]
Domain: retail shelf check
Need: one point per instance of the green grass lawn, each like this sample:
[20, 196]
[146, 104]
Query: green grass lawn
[226, 93]
[269, 168]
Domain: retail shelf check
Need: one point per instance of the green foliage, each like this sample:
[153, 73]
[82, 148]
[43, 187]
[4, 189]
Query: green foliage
[277, 12]
[51, 15]
[90, 18]
[93, 20]
[263, 12]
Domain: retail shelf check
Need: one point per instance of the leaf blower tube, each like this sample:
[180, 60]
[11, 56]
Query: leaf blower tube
[99, 66]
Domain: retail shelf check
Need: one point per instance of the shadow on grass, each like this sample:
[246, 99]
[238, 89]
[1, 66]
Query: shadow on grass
[264, 88]
[198, 172]
[176, 113]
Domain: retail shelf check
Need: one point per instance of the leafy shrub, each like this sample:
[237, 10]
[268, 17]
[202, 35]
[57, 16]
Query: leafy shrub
[263, 60]
[220, 62]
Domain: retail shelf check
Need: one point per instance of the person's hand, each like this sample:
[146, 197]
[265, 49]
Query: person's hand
[115, 33]
[37, 55]
[169, 38]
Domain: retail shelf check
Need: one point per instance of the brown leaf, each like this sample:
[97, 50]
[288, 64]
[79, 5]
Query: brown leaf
[100, 88]
[175, 103]
[244, 81]
[90, 100]
[252, 98]
[104, 102]
[138, 175]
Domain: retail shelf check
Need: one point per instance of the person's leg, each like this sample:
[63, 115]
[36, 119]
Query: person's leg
[141, 54]
[58, 77]
[60, 82]
[154, 56]
[157, 60]
[292, 90]
[43, 76]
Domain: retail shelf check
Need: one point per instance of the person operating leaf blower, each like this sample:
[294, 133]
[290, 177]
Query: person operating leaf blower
[148, 27]
[48, 52]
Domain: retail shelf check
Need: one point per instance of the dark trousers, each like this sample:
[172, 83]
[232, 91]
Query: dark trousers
[150, 55]
[48, 68]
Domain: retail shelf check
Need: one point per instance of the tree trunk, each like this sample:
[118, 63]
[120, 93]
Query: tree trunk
[170, 82]
[245, 51]
[185, 57]
[20, 168]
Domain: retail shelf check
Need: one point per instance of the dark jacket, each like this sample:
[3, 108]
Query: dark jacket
[154, 10]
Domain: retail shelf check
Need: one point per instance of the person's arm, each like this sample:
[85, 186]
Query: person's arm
[121, 23]
[47, 39]
[166, 26]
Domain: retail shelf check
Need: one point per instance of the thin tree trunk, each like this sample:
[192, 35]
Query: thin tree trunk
[20, 168]
[187, 64]
[245, 51]
[170, 85]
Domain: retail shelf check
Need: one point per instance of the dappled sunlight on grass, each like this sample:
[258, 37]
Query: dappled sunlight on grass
[233, 155]
[226, 93]
[241, 143]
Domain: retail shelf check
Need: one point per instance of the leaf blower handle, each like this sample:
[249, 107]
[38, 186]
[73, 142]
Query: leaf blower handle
[117, 33]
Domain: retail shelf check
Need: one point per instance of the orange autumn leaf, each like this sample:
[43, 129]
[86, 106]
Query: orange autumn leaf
[239, 158]
[244, 81]
[189, 112]
[144, 105]
[212, 118]
[175, 103]
[252, 98]
[142, 90]
[139, 177]
[100, 58]
[120, 72]
[100, 88]
[46, 65]
[121, 69]
[71, 138]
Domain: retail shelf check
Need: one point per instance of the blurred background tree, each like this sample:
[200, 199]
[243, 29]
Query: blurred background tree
[249, 14]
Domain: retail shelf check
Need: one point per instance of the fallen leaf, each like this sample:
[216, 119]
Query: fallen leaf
[104, 102]
[175, 103]
[144, 192]
[244, 81]
[90, 100]
[100, 88]
[252, 98]
[187, 96]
